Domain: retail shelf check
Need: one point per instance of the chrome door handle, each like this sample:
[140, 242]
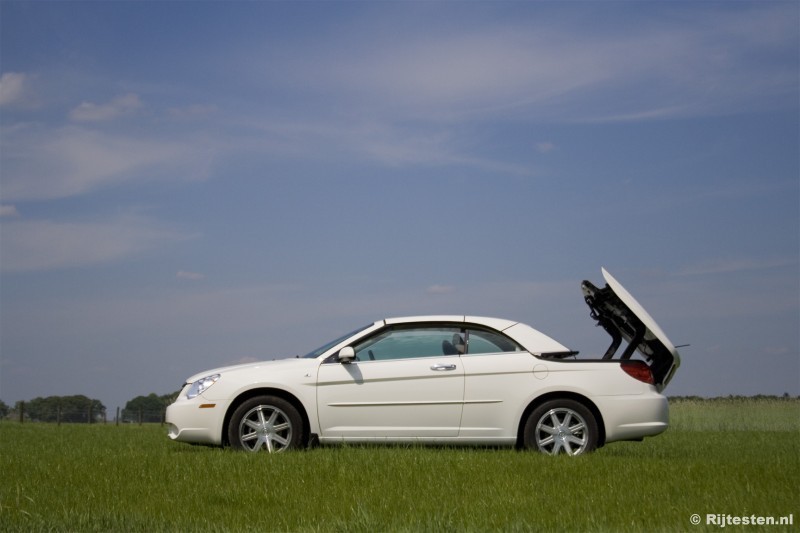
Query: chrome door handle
[443, 367]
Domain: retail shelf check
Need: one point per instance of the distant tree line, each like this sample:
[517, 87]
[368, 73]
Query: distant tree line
[81, 409]
[77, 408]
[785, 396]
[148, 408]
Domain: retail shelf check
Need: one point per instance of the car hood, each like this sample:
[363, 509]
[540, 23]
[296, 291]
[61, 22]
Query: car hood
[624, 318]
[275, 364]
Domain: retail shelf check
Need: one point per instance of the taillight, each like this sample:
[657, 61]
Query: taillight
[638, 370]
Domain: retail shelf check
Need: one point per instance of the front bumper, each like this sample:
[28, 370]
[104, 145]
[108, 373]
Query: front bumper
[197, 420]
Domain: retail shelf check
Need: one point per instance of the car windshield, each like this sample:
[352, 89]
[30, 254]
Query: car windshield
[324, 348]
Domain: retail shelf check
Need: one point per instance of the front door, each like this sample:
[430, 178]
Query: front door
[407, 381]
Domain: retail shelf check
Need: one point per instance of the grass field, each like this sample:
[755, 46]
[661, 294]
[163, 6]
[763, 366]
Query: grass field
[737, 457]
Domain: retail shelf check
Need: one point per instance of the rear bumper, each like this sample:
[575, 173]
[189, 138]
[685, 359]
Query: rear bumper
[196, 420]
[634, 417]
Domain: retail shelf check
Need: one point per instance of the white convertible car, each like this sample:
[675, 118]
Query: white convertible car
[444, 379]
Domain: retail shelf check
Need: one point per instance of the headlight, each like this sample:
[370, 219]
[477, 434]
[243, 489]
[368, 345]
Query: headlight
[201, 385]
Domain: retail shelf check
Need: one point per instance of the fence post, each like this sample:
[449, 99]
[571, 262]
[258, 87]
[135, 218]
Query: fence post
[140, 417]
[118, 415]
[58, 415]
[21, 412]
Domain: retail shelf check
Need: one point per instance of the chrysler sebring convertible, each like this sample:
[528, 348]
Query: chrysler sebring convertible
[446, 380]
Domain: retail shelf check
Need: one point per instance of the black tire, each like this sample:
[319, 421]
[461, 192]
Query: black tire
[267, 423]
[561, 426]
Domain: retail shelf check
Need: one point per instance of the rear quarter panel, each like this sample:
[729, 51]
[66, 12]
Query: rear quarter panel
[629, 408]
[499, 388]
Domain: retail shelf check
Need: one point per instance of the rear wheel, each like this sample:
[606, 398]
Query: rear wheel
[561, 426]
[267, 423]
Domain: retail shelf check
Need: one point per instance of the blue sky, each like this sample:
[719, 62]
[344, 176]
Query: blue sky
[192, 184]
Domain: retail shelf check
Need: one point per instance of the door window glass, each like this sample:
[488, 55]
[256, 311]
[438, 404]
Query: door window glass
[482, 341]
[409, 342]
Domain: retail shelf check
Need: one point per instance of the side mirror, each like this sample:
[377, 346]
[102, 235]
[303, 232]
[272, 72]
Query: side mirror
[347, 355]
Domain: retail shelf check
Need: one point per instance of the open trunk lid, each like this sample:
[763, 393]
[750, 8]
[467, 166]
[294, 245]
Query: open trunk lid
[625, 319]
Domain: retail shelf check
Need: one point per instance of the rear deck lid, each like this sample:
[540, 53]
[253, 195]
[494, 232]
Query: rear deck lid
[625, 319]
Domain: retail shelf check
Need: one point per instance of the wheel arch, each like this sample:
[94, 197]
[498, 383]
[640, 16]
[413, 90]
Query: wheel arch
[560, 395]
[266, 391]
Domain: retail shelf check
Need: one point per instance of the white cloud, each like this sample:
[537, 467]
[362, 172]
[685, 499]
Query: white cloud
[35, 245]
[41, 164]
[716, 61]
[385, 143]
[495, 70]
[121, 105]
[440, 289]
[545, 147]
[8, 211]
[192, 111]
[727, 266]
[12, 88]
[190, 276]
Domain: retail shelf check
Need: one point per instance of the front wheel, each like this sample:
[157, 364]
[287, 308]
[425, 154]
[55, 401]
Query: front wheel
[561, 426]
[266, 423]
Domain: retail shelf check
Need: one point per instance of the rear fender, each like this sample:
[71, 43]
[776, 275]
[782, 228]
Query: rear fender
[554, 395]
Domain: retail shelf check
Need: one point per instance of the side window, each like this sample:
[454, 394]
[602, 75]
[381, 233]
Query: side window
[409, 342]
[482, 341]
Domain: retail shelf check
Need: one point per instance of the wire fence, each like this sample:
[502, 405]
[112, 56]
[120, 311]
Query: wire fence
[95, 413]
[22, 414]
